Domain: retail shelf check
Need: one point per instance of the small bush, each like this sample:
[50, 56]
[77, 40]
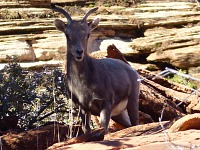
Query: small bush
[34, 97]
[181, 80]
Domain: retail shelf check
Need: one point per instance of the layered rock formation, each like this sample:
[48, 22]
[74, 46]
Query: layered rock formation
[158, 32]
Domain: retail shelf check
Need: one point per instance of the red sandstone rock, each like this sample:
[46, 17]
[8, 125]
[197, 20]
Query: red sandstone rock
[187, 122]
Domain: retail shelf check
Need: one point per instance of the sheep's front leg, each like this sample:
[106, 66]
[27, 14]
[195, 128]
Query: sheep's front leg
[86, 117]
[105, 116]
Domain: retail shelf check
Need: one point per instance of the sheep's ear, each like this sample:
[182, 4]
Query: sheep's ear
[93, 24]
[60, 25]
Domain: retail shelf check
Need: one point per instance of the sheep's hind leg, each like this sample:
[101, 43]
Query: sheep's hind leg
[105, 115]
[122, 119]
[133, 109]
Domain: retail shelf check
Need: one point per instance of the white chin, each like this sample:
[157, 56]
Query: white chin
[79, 58]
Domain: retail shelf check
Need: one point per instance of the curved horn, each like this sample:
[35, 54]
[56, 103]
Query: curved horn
[89, 12]
[61, 10]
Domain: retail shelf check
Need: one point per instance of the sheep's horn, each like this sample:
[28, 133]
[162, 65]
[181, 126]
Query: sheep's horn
[89, 12]
[61, 10]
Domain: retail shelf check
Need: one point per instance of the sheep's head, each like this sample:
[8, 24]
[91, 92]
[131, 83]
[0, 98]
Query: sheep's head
[77, 32]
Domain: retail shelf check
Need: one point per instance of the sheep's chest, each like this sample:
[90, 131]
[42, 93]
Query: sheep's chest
[79, 90]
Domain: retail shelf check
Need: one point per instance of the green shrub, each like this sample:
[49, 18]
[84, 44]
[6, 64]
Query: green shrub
[181, 80]
[34, 97]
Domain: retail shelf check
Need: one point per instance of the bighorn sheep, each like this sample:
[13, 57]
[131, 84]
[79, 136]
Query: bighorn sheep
[104, 87]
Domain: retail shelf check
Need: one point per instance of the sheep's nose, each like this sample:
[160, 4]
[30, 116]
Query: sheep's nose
[79, 52]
